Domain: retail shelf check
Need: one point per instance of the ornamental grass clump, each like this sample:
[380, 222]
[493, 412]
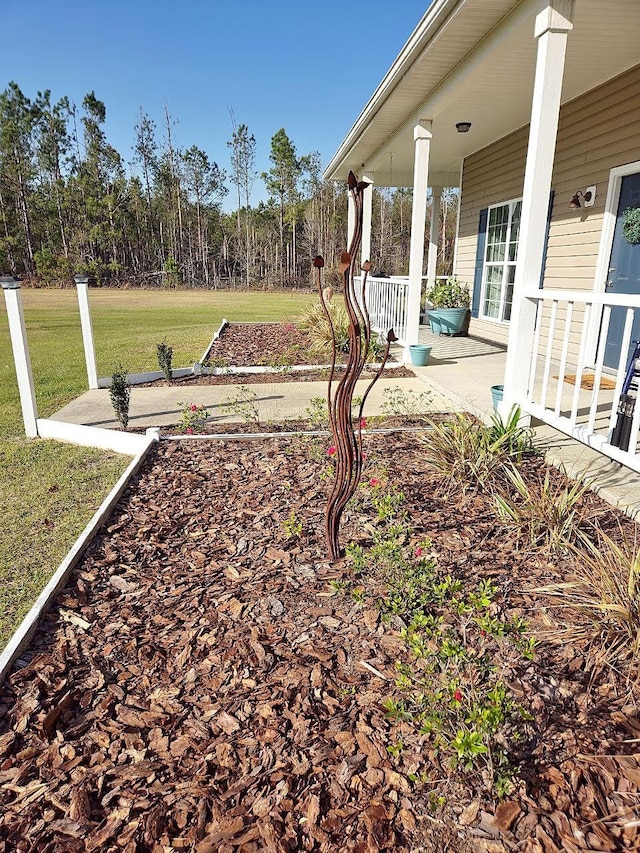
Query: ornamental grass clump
[600, 600]
[467, 454]
[546, 512]
[314, 321]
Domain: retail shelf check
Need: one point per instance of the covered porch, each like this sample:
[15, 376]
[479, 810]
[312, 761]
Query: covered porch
[509, 102]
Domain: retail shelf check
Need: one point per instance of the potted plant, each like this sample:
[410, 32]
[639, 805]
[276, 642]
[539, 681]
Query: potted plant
[450, 300]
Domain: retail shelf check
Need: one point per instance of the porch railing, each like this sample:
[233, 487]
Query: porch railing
[387, 301]
[569, 386]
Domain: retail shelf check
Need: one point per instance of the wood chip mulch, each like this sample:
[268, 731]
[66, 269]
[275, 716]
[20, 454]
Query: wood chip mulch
[202, 684]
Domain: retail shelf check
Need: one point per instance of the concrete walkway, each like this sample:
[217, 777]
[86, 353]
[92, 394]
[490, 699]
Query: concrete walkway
[275, 401]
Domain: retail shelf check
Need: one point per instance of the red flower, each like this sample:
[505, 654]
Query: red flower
[189, 430]
[418, 551]
[194, 408]
[363, 423]
[457, 696]
[374, 482]
[332, 450]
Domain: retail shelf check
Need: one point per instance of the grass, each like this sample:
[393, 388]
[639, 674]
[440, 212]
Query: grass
[49, 490]
[127, 327]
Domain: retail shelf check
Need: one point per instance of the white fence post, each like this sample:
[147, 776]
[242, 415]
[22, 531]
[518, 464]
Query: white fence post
[82, 283]
[18, 332]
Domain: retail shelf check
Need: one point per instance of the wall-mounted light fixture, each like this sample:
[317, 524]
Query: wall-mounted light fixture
[463, 126]
[583, 199]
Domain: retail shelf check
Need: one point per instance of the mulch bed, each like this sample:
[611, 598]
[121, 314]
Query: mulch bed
[287, 375]
[204, 684]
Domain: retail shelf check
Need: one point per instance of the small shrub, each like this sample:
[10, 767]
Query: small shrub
[243, 405]
[120, 394]
[193, 418]
[165, 357]
[317, 412]
[515, 439]
[395, 401]
[449, 293]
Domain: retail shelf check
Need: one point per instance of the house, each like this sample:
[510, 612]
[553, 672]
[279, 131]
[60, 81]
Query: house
[532, 109]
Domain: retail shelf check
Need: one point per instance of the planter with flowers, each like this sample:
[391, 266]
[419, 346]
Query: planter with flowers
[450, 300]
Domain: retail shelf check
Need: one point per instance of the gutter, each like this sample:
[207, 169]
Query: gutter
[429, 28]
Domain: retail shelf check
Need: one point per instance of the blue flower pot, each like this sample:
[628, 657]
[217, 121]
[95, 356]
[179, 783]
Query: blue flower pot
[419, 354]
[497, 392]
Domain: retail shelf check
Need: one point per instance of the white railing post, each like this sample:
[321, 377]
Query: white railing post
[18, 333]
[82, 283]
[422, 139]
[552, 26]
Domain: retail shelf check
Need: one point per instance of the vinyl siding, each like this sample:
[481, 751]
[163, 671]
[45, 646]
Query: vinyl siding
[597, 131]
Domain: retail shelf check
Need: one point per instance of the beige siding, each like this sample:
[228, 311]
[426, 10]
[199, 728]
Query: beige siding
[597, 131]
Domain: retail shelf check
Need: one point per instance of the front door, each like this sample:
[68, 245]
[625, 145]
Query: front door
[624, 273]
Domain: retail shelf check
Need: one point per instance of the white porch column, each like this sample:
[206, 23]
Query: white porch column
[434, 235]
[422, 141]
[18, 333]
[82, 283]
[367, 199]
[351, 219]
[552, 26]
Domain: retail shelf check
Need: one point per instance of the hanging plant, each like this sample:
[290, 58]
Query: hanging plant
[631, 225]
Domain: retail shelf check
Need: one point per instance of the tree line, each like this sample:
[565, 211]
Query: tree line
[70, 203]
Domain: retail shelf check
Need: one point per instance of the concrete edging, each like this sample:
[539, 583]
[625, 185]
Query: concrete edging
[29, 624]
[224, 323]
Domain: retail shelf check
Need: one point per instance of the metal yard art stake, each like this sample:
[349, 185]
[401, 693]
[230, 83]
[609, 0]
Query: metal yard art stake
[347, 439]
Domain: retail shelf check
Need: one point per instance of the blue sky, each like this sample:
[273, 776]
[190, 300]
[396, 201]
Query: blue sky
[306, 66]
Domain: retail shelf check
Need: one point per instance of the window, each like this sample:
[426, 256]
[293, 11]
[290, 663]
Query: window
[500, 258]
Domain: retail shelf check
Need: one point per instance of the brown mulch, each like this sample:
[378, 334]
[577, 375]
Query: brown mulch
[204, 684]
[275, 344]
[287, 375]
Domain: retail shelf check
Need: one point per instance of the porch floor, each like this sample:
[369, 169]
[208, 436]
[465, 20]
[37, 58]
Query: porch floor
[463, 369]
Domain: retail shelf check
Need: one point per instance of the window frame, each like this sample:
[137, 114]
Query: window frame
[506, 263]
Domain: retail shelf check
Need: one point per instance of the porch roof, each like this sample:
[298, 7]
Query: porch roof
[474, 60]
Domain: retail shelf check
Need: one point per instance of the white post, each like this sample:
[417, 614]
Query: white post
[367, 198]
[552, 25]
[351, 219]
[82, 283]
[422, 139]
[434, 236]
[18, 332]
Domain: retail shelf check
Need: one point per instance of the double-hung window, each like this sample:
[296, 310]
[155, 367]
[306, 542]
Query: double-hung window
[501, 253]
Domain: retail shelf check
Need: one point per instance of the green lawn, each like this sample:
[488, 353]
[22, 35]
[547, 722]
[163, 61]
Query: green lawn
[49, 490]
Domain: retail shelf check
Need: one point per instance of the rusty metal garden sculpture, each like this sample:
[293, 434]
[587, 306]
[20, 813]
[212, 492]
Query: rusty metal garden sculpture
[347, 438]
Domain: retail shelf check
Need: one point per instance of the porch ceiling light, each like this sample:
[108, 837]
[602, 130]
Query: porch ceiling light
[463, 126]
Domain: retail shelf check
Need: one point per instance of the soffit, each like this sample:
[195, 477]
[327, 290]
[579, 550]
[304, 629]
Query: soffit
[479, 68]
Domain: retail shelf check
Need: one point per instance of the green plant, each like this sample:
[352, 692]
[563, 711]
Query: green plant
[509, 434]
[631, 225]
[546, 512]
[600, 601]
[317, 412]
[292, 525]
[120, 395]
[449, 293]
[193, 418]
[465, 453]
[315, 322]
[165, 357]
[243, 405]
[395, 401]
